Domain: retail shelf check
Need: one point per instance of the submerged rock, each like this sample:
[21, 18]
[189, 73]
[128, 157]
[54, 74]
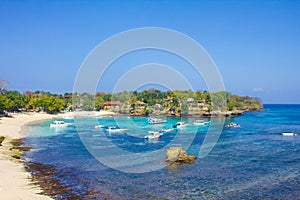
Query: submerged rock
[175, 155]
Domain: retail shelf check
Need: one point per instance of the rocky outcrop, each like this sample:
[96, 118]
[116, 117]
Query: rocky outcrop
[192, 112]
[217, 113]
[2, 138]
[189, 109]
[176, 156]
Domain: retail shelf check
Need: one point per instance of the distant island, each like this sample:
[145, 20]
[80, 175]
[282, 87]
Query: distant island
[152, 102]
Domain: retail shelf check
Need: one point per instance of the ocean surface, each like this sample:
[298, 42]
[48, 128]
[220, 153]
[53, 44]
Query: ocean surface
[253, 161]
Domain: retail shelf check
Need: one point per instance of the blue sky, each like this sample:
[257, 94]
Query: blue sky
[255, 44]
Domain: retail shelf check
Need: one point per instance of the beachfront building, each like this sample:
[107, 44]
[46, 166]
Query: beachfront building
[112, 105]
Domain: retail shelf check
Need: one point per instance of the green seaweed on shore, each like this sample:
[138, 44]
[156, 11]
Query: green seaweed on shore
[46, 177]
[17, 149]
[18, 144]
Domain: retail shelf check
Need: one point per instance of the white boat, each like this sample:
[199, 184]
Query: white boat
[156, 121]
[100, 126]
[153, 135]
[58, 123]
[168, 130]
[154, 132]
[289, 134]
[232, 125]
[113, 129]
[181, 124]
[201, 122]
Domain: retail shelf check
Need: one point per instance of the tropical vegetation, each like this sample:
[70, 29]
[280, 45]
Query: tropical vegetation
[130, 102]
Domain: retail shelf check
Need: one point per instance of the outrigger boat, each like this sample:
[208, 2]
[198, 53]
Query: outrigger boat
[168, 130]
[100, 126]
[201, 122]
[153, 135]
[180, 125]
[289, 134]
[58, 123]
[114, 129]
[156, 121]
[232, 125]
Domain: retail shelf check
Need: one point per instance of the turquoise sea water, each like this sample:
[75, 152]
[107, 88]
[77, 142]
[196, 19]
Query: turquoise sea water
[254, 161]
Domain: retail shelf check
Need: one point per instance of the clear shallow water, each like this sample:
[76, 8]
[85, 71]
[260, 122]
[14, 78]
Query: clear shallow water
[251, 162]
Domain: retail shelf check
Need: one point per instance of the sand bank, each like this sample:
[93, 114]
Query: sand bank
[15, 181]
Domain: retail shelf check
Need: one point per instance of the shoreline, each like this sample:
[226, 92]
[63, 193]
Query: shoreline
[16, 182]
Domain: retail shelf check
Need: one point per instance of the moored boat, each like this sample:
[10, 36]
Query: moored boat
[168, 130]
[100, 126]
[289, 134]
[114, 129]
[156, 121]
[181, 124]
[232, 125]
[153, 135]
[201, 122]
[58, 123]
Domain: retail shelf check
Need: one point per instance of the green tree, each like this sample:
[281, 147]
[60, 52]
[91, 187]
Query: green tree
[199, 96]
[148, 111]
[219, 100]
[231, 105]
[53, 105]
[18, 100]
[5, 103]
[99, 102]
[107, 97]
[46, 103]
[132, 102]
[88, 103]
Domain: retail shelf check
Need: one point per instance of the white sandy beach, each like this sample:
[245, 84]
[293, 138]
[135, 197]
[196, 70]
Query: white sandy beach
[15, 181]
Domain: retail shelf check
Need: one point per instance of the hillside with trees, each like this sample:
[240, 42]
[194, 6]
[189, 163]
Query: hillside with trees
[178, 103]
[148, 102]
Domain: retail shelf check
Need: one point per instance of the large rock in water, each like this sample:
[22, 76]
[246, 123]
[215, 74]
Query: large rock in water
[175, 155]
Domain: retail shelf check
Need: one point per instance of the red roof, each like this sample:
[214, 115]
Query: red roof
[112, 103]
